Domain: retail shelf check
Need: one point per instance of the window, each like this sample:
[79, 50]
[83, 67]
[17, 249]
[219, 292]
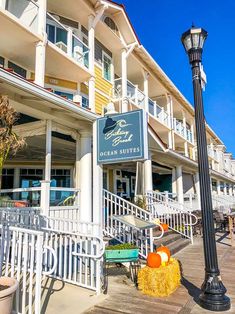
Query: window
[107, 66]
[111, 24]
[17, 69]
[57, 36]
[85, 102]
[1, 61]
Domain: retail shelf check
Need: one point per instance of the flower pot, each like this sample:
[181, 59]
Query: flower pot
[6, 295]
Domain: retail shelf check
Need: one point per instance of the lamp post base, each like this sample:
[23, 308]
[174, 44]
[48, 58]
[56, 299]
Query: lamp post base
[213, 296]
[214, 303]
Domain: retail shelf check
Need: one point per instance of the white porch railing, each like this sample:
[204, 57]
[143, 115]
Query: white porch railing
[159, 113]
[183, 131]
[178, 217]
[116, 206]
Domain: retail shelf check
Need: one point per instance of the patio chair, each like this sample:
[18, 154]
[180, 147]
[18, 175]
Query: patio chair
[220, 221]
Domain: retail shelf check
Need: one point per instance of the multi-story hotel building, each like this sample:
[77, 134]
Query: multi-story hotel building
[63, 64]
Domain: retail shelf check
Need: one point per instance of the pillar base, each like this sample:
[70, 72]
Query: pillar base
[213, 296]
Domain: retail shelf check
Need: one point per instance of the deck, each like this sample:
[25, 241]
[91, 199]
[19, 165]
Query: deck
[124, 298]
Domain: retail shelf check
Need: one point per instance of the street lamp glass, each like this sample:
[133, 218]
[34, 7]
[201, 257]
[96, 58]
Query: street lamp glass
[194, 38]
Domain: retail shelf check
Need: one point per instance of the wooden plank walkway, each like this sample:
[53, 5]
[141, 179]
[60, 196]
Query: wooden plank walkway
[124, 298]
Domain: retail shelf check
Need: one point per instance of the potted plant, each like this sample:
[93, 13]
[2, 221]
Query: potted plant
[121, 253]
[8, 287]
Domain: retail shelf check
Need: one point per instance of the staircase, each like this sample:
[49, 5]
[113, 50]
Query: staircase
[178, 218]
[174, 241]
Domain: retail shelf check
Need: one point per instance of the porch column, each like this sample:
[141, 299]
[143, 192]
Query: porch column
[40, 58]
[218, 187]
[179, 183]
[85, 177]
[16, 182]
[148, 179]
[146, 90]
[230, 190]
[3, 4]
[171, 143]
[91, 44]
[225, 188]
[77, 164]
[97, 213]
[124, 81]
[45, 184]
[174, 186]
[185, 136]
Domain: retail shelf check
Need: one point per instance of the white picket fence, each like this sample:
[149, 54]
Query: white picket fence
[114, 205]
[178, 216]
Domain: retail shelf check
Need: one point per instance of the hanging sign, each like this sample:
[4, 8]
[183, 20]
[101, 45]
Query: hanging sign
[122, 137]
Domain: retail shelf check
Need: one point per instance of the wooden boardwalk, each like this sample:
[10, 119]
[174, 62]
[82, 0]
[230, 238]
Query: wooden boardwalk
[124, 298]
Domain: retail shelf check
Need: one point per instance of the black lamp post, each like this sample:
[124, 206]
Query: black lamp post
[213, 292]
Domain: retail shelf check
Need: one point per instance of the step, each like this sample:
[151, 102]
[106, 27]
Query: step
[167, 239]
[178, 245]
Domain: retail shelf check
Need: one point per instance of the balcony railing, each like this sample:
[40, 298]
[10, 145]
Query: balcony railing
[26, 11]
[180, 129]
[134, 94]
[68, 42]
[158, 112]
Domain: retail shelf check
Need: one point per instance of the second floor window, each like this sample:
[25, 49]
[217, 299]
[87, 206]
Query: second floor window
[107, 67]
[56, 35]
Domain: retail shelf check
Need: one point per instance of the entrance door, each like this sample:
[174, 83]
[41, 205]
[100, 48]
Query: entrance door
[125, 188]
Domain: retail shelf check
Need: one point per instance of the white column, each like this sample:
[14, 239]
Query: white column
[3, 4]
[124, 81]
[174, 185]
[170, 133]
[185, 136]
[45, 184]
[225, 188]
[97, 186]
[77, 164]
[230, 190]
[70, 42]
[85, 177]
[91, 44]
[40, 58]
[179, 183]
[16, 182]
[148, 179]
[192, 131]
[218, 187]
[146, 91]
[48, 150]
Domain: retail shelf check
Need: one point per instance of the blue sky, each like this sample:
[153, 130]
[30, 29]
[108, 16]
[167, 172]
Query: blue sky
[159, 25]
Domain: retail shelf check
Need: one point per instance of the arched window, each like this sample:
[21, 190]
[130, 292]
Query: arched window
[111, 24]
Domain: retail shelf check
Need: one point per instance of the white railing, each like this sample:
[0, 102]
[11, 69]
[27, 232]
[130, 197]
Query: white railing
[134, 94]
[183, 131]
[25, 11]
[159, 112]
[116, 206]
[21, 258]
[78, 258]
[178, 217]
[70, 44]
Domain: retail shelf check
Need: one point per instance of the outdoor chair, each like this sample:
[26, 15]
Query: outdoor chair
[220, 221]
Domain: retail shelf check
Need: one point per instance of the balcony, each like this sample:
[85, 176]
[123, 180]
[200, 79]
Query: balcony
[137, 98]
[159, 113]
[183, 131]
[63, 38]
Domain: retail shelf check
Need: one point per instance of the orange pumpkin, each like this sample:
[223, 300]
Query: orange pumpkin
[164, 227]
[154, 260]
[164, 249]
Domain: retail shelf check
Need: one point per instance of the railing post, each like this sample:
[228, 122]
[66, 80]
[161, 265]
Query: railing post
[70, 42]
[191, 228]
[45, 197]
